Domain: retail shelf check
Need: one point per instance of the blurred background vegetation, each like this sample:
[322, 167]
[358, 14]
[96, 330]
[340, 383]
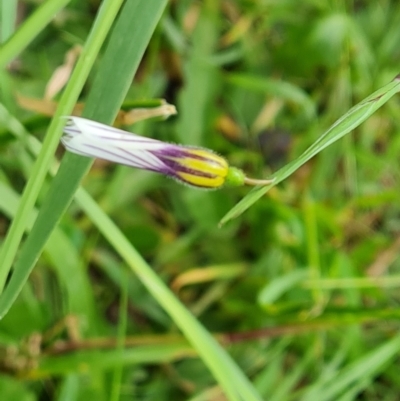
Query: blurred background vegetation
[301, 289]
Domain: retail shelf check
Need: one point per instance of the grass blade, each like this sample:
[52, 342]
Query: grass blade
[351, 120]
[29, 30]
[8, 14]
[99, 32]
[231, 378]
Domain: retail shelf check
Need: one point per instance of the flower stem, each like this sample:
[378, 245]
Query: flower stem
[254, 182]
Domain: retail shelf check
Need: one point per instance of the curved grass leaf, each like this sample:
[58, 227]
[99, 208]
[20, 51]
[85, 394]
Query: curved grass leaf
[351, 120]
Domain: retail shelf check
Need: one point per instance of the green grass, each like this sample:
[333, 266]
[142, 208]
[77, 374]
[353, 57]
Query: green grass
[120, 284]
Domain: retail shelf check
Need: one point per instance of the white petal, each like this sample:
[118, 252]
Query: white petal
[92, 139]
[96, 130]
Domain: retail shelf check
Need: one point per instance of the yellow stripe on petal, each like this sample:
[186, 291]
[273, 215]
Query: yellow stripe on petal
[207, 163]
[201, 182]
[211, 156]
[203, 168]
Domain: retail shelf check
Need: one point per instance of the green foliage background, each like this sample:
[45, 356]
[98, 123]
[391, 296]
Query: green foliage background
[132, 287]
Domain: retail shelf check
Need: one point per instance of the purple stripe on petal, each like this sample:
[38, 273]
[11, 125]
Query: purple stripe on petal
[176, 167]
[71, 129]
[124, 160]
[172, 152]
[133, 160]
[145, 162]
[177, 151]
[134, 138]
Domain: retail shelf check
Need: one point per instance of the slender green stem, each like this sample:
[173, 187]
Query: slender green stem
[314, 264]
[123, 319]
